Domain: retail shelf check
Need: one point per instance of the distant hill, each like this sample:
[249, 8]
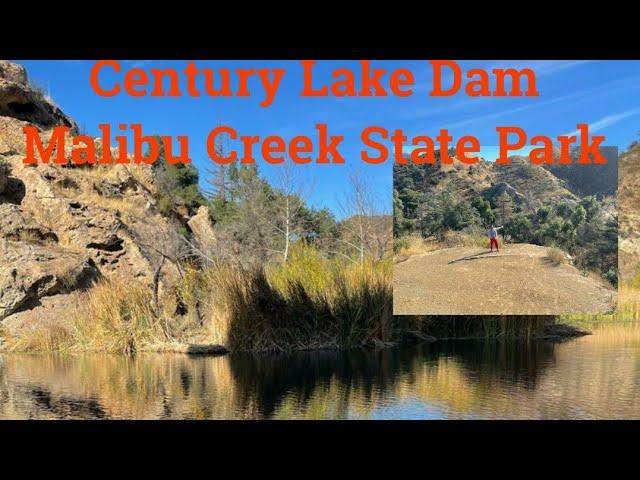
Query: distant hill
[564, 206]
[598, 180]
[521, 180]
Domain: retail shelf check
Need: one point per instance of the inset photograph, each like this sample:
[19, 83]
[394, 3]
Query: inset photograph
[498, 239]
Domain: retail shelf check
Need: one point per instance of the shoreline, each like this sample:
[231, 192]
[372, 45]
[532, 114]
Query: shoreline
[555, 332]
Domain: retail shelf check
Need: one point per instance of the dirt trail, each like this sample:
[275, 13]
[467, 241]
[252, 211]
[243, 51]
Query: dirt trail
[520, 280]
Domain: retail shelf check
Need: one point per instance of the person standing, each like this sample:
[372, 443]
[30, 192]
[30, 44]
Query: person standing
[493, 237]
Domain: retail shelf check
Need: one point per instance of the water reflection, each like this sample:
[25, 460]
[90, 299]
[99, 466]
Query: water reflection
[592, 377]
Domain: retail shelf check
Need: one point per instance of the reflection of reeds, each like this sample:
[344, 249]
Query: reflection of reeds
[482, 326]
[592, 377]
[116, 386]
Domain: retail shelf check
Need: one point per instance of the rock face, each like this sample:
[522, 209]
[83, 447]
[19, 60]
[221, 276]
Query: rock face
[12, 72]
[503, 188]
[202, 227]
[20, 100]
[31, 271]
[629, 205]
[64, 227]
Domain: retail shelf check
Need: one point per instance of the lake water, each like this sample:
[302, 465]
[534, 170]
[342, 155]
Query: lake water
[591, 377]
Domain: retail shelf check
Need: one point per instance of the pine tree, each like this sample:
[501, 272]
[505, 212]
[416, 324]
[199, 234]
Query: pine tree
[177, 185]
[218, 175]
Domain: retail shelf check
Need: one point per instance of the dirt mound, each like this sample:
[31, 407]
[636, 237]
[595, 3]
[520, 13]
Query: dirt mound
[522, 279]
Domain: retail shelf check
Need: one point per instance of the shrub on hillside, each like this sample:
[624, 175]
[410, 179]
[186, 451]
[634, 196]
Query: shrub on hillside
[556, 256]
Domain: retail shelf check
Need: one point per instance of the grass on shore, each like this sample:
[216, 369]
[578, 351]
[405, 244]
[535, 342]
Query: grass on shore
[310, 302]
[115, 316]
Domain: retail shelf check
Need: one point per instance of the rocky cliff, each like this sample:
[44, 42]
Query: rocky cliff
[629, 206]
[64, 227]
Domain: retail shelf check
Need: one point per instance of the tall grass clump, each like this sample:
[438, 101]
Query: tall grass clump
[628, 303]
[117, 316]
[407, 246]
[204, 294]
[38, 336]
[555, 256]
[309, 302]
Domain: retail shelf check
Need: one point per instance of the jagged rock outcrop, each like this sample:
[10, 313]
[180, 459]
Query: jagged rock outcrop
[16, 226]
[30, 271]
[522, 180]
[12, 72]
[201, 227]
[629, 205]
[503, 188]
[20, 100]
[62, 227]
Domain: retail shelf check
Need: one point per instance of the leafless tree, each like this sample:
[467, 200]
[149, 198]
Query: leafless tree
[160, 246]
[365, 232]
[294, 191]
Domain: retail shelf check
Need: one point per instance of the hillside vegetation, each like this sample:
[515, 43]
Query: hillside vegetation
[532, 203]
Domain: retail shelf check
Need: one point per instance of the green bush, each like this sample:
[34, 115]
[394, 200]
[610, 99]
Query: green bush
[400, 244]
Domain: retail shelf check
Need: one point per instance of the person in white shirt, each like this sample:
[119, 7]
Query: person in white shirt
[493, 237]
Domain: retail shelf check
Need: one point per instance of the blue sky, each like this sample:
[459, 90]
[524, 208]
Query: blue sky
[604, 94]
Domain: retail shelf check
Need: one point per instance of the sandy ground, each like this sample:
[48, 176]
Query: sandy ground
[520, 280]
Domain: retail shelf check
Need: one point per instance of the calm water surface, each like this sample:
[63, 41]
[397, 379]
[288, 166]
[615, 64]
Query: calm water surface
[592, 377]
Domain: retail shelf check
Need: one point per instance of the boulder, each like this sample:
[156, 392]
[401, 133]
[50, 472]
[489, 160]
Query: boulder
[20, 100]
[17, 226]
[13, 72]
[29, 272]
[202, 227]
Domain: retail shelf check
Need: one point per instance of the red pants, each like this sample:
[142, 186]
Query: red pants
[492, 242]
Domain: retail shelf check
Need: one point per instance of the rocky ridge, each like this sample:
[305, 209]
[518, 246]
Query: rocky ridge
[64, 227]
